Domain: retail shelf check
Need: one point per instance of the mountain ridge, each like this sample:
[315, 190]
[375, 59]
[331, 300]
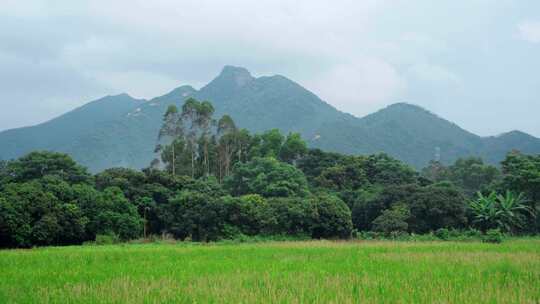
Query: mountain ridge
[120, 130]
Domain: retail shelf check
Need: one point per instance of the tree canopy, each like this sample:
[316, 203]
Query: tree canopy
[214, 180]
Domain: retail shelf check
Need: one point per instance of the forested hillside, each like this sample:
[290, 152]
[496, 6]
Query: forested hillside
[212, 180]
[120, 131]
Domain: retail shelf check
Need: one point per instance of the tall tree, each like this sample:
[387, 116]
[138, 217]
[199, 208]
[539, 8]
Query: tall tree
[171, 130]
[227, 133]
[190, 112]
[205, 110]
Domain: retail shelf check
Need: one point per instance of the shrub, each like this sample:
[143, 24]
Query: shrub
[368, 235]
[443, 234]
[392, 220]
[334, 218]
[493, 236]
[107, 239]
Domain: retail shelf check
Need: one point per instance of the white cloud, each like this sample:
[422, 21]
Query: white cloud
[360, 86]
[530, 31]
[357, 55]
[434, 75]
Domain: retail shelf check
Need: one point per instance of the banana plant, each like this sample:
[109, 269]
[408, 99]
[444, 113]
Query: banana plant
[505, 212]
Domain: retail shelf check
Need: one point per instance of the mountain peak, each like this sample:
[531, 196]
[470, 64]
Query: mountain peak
[515, 134]
[406, 106]
[237, 75]
[181, 91]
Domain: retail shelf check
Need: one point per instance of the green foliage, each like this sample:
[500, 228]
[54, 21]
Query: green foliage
[248, 214]
[392, 220]
[291, 216]
[31, 215]
[385, 170]
[293, 149]
[196, 216]
[371, 204]
[347, 176]
[290, 271]
[333, 218]
[106, 239]
[115, 214]
[437, 206]
[469, 174]
[316, 160]
[506, 212]
[220, 182]
[521, 174]
[493, 236]
[121, 131]
[38, 164]
[267, 177]
[268, 144]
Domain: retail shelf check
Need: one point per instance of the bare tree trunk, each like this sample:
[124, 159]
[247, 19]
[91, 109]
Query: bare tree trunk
[192, 163]
[173, 160]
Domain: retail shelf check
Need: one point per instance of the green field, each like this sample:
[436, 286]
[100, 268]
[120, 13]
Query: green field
[280, 272]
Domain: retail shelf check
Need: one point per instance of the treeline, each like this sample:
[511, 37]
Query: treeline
[213, 181]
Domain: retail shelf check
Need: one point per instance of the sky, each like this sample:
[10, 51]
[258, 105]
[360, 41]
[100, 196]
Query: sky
[473, 62]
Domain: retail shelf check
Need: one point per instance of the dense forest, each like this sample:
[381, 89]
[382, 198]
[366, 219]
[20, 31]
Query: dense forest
[212, 180]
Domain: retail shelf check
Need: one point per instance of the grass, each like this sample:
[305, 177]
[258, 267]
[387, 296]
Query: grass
[277, 272]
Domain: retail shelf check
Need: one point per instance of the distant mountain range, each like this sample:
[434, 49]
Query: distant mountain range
[121, 130]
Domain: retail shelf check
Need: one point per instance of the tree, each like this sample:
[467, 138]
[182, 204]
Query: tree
[247, 214]
[435, 171]
[195, 215]
[385, 170]
[176, 157]
[244, 144]
[348, 175]
[469, 174]
[205, 110]
[505, 212]
[267, 177]
[371, 203]
[268, 144]
[4, 174]
[171, 130]
[190, 115]
[333, 218]
[116, 215]
[32, 215]
[227, 133]
[521, 174]
[440, 205]
[392, 220]
[130, 181]
[316, 161]
[293, 148]
[41, 163]
[291, 216]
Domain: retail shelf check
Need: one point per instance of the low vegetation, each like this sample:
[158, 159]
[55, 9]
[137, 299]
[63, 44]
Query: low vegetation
[281, 272]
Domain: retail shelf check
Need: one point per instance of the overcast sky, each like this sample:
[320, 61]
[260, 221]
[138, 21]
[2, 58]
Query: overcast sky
[474, 62]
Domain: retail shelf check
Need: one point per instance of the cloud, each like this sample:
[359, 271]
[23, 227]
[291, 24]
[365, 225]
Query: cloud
[357, 55]
[434, 75]
[530, 31]
[360, 86]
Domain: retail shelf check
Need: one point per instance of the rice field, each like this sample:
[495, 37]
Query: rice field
[278, 272]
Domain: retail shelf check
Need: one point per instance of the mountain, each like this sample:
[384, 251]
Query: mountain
[121, 130]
